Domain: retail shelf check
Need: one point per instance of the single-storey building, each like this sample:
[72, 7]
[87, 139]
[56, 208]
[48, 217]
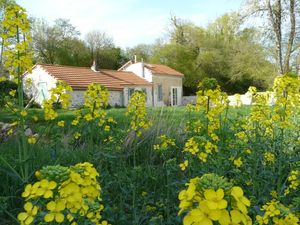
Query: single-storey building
[162, 84]
[119, 83]
[166, 82]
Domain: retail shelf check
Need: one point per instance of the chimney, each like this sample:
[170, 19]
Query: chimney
[94, 66]
[143, 68]
[134, 58]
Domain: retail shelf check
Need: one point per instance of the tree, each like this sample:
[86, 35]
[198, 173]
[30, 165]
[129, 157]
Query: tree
[103, 51]
[141, 51]
[97, 40]
[225, 50]
[59, 44]
[283, 30]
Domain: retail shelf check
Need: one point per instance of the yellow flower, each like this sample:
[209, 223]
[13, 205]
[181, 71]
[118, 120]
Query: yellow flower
[10, 132]
[202, 156]
[274, 194]
[191, 146]
[137, 113]
[238, 162]
[271, 209]
[12, 93]
[248, 151]
[28, 216]
[30, 190]
[214, 199]
[77, 135]
[184, 165]
[156, 147]
[241, 200]
[31, 140]
[23, 113]
[75, 122]
[262, 220]
[185, 197]
[235, 217]
[202, 215]
[107, 128]
[88, 117]
[55, 209]
[61, 123]
[35, 118]
[46, 188]
[37, 174]
[269, 157]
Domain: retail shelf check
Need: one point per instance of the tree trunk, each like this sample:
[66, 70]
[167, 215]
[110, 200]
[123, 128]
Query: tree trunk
[291, 36]
[275, 14]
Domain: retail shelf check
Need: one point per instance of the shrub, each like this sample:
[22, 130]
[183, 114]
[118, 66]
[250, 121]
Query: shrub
[5, 87]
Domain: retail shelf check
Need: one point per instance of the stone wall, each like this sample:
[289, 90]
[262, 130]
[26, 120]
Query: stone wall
[188, 100]
[114, 99]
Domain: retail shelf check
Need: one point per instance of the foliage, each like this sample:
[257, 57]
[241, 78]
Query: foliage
[225, 50]
[60, 44]
[280, 31]
[5, 88]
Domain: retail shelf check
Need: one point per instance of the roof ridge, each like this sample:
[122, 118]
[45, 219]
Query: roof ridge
[58, 65]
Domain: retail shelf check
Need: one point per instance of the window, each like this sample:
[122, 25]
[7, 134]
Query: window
[130, 92]
[43, 91]
[159, 93]
[174, 96]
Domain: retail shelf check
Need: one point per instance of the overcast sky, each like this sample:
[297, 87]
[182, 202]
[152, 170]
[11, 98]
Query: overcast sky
[129, 22]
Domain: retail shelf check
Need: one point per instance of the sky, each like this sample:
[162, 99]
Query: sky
[129, 22]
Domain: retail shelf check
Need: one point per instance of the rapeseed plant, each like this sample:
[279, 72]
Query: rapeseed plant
[62, 194]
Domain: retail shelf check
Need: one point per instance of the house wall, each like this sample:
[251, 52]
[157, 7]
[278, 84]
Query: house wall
[167, 83]
[42, 82]
[138, 88]
[114, 98]
[137, 68]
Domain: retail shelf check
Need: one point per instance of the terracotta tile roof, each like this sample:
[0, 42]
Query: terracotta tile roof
[80, 77]
[160, 69]
[126, 76]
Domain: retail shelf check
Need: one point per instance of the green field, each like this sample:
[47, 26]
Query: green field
[140, 185]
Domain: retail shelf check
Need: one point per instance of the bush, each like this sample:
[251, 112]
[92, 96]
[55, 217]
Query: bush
[5, 87]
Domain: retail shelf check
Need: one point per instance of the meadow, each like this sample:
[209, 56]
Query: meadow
[202, 164]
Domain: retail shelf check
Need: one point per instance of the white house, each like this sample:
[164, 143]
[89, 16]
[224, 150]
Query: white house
[166, 82]
[162, 84]
[119, 83]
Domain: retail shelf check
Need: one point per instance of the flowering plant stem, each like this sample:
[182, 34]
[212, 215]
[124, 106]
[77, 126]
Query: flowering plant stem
[23, 153]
